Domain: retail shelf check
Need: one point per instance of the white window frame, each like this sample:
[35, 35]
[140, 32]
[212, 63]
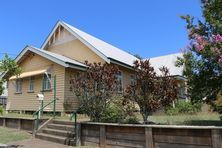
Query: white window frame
[119, 77]
[31, 84]
[47, 82]
[18, 86]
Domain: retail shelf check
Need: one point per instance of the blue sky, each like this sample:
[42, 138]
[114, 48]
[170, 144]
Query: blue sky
[146, 27]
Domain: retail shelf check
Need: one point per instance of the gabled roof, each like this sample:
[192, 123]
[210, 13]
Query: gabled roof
[106, 51]
[169, 62]
[59, 59]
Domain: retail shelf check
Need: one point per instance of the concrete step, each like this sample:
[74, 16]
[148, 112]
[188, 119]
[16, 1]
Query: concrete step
[63, 133]
[56, 139]
[63, 122]
[61, 127]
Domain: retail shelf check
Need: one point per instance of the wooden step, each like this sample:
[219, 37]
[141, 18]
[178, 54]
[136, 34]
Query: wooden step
[56, 139]
[61, 127]
[64, 122]
[63, 133]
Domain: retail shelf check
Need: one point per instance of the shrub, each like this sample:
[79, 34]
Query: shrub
[172, 111]
[1, 110]
[113, 114]
[183, 107]
[132, 120]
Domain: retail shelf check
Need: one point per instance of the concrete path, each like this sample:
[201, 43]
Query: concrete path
[37, 143]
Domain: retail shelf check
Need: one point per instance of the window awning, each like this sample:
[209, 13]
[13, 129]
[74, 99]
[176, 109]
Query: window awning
[29, 74]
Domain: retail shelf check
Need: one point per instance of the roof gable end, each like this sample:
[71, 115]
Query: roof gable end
[104, 50]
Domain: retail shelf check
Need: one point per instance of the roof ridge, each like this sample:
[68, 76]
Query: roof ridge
[96, 38]
[171, 54]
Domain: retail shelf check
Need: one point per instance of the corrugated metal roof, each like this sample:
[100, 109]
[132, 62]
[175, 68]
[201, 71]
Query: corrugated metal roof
[169, 62]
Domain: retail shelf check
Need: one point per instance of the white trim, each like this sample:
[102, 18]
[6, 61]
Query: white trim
[50, 35]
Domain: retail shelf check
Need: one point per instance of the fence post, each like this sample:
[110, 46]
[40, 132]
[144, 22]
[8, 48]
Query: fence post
[148, 137]
[4, 122]
[102, 138]
[216, 136]
[19, 124]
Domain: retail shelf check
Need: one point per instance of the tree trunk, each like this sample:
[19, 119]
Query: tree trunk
[145, 117]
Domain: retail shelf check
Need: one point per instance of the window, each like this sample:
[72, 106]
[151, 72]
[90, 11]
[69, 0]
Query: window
[132, 80]
[31, 84]
[119, 78]
[182, 91]
[18, 86]
[47, 82]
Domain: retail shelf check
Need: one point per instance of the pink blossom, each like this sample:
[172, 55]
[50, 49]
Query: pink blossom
[220, 59]
[199, 42]
[217, 38]
[215, 49]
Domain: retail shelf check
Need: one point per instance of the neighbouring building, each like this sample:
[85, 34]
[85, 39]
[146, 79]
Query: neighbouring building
[176, 72]
[62, 54]
[4, 96]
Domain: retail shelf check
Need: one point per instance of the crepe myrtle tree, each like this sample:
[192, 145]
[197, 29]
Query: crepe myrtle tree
[95, 88]
[9, 67]
[203, 56]
[149, 90]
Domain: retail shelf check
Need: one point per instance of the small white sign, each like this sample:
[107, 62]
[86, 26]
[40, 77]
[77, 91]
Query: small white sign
[40, 97]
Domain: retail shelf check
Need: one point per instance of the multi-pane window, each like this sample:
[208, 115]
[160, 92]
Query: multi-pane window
[119, 79]
[18, 86]
[31, 84]
[133, 80]
[47, 82]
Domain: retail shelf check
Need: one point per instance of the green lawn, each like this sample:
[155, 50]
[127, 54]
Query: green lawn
[204, 119]
[10, 135]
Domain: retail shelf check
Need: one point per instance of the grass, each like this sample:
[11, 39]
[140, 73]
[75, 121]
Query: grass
[204, 119]
[11, 135]
[80, 117]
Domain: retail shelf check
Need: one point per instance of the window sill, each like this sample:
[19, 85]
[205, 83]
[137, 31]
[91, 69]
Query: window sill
[47, 90]
[30, 91]
[18, 93]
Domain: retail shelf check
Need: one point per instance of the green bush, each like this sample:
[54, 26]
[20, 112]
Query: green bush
[1, 110]
[113, 114]
[172, 111]
[132, 120]
[183, 107]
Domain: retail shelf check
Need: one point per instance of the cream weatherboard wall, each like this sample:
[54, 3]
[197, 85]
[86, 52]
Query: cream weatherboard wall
[27, 101]
[71, 47]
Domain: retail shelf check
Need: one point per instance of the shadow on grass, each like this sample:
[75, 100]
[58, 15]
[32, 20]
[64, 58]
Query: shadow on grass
[203, 122]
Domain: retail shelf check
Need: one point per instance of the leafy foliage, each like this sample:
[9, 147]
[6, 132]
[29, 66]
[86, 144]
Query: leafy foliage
[183, 107]
[8, 65]
[203, 57]
[151, 91]
[1, 110]
[95, 88]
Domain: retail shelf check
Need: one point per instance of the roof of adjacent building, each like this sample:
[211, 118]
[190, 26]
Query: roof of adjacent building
[169, 62]
[104, 50]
